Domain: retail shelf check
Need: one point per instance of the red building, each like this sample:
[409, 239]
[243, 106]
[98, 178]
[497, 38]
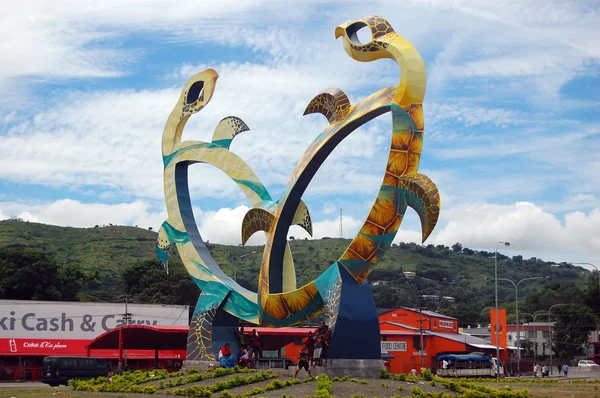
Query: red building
[32, 330]
[415, 338]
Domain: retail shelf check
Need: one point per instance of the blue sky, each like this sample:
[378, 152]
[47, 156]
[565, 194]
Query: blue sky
[511, 113]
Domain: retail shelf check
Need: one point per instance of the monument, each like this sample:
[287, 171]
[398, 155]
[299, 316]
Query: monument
[341, 292]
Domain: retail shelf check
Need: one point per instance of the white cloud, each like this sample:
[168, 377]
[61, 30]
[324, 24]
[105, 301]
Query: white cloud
[528, 227]
[72, 213]
[329, 208]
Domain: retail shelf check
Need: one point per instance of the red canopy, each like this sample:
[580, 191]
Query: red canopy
[143, 337]
[147, 337]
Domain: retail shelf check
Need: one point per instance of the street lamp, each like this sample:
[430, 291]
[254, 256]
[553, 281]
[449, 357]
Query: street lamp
[596, 270]
[535, 333]
[236, 263]
[527, 313]
[497, 319]
[550, 330]
[516, 285]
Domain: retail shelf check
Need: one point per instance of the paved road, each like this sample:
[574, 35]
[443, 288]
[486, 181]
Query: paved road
[23, 385]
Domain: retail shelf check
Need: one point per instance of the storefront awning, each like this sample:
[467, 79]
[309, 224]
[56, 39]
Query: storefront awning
[143, 337]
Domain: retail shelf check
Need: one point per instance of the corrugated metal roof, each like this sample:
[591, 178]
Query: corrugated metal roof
[428, 313]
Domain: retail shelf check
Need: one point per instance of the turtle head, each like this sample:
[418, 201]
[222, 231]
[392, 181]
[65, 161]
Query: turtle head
[197, 92]
[381, 35]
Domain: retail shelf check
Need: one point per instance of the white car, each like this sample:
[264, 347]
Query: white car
[587, 364]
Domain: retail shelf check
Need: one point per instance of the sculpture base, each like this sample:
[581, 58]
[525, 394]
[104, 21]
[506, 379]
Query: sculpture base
[352, 367]
[200, 365]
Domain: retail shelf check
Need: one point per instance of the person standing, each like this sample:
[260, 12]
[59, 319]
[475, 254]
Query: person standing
[309, 341]
[536, 369]
[303, 361]
[255, 342]
[565, 369]
[559, 369]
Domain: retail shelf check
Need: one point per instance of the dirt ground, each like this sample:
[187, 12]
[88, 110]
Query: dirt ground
[373, 388]
[564, 390]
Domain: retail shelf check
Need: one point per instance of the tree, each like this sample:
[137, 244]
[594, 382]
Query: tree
[573, 323]
[148, 283]
[468, 251]
[457, 247]
[29, 274]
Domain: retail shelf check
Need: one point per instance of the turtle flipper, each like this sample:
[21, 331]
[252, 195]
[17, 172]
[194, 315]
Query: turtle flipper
[302, 218]
[256, 219]
[227, 129]
[163, 246]
[259, 219]
[333, 103]
[425, 200]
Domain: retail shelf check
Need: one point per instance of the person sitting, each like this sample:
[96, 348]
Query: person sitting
[225, 356]
[244, 357]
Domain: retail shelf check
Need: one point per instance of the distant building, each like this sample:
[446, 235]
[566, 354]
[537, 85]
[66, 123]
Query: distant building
[377, 283]
[538, 333]
[410, 274]
[430, 297]
[449, 299]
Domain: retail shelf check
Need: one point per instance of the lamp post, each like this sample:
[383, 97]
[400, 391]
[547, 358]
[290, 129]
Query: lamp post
[236, 263]
[596, 270]
[497, 319]
[550, 330]
[516, 285]
[535, 333]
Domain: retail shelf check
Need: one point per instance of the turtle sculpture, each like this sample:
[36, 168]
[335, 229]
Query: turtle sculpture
[341, 292]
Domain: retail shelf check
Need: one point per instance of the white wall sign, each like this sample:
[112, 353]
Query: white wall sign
[447, 324]
[70, 320]
[387, 346]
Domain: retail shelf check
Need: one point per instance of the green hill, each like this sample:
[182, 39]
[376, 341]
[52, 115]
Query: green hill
[105, 252]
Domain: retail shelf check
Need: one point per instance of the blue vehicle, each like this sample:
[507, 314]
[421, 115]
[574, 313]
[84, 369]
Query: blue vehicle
[475, 364]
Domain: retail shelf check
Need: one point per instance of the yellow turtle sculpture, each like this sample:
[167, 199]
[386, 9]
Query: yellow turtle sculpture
[342, 291]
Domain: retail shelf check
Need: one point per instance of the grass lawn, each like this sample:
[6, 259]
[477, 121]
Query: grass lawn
[558, 390]
[243, 383]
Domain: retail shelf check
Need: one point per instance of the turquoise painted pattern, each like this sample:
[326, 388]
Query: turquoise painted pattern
[257, 188]
[240, 306]
[223, 143]
[168, 158]
[175, 235]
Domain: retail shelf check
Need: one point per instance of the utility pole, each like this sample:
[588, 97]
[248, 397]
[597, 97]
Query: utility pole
[126, 319]
[421, 345]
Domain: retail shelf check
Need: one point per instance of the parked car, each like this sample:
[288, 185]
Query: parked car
[59, 370]
[586, 363]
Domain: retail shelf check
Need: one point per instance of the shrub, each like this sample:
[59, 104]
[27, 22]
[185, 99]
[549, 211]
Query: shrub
[324, 386]
[427, 375]
[384, 374]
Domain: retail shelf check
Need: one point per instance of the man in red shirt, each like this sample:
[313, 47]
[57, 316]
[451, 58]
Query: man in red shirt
[303, 361]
